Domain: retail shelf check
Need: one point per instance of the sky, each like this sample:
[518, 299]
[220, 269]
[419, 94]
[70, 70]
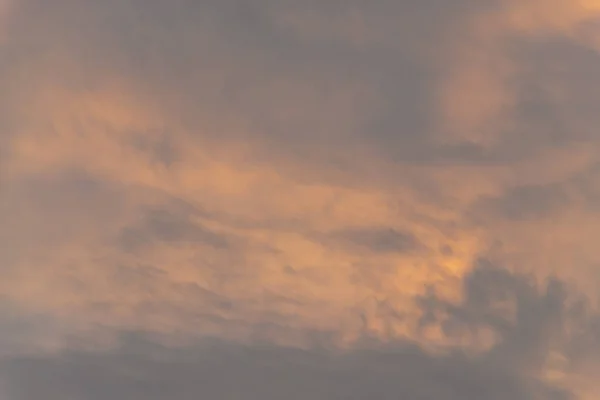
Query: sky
[300, 199]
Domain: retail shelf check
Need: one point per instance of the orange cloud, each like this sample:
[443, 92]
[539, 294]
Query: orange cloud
[479, 93]
[308, 174]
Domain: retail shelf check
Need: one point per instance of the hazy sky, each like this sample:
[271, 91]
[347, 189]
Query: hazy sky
[299, 199]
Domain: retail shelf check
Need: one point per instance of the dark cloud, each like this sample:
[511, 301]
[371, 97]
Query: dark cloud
[557, 91]
[379, 240]
[65, 205]
[172, 226]
[227, 371]
[526, 202]
[23, 332]
[162, 149]
[524, 314]
[141, 368]
[237, 61]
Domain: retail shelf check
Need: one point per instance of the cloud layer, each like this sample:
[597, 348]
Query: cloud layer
[300, 174]
[535, 357]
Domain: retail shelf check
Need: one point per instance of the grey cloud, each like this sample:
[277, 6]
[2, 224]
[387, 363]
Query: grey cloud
[525, 202]
[587, 184]
[541, 201]
[39, 212]
[379, 240]
[527, 316]
[232, 59]
[187, 304]
[555, 93]
[235, 60]
[23, 332]
[268, 373]
[558, 91]
[141, 368]
[534, 320]
[162, 150]
[171, 225]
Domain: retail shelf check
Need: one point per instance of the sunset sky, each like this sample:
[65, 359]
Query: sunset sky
[300, 199]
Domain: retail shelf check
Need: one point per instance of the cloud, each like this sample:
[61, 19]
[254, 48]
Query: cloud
[525, 202]
[285, 124]
[141, 367]
[285, 171]
[263, 374]
[163, 226]
[379, 239]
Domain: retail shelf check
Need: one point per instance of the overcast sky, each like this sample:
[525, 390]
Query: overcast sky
[299, 199]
